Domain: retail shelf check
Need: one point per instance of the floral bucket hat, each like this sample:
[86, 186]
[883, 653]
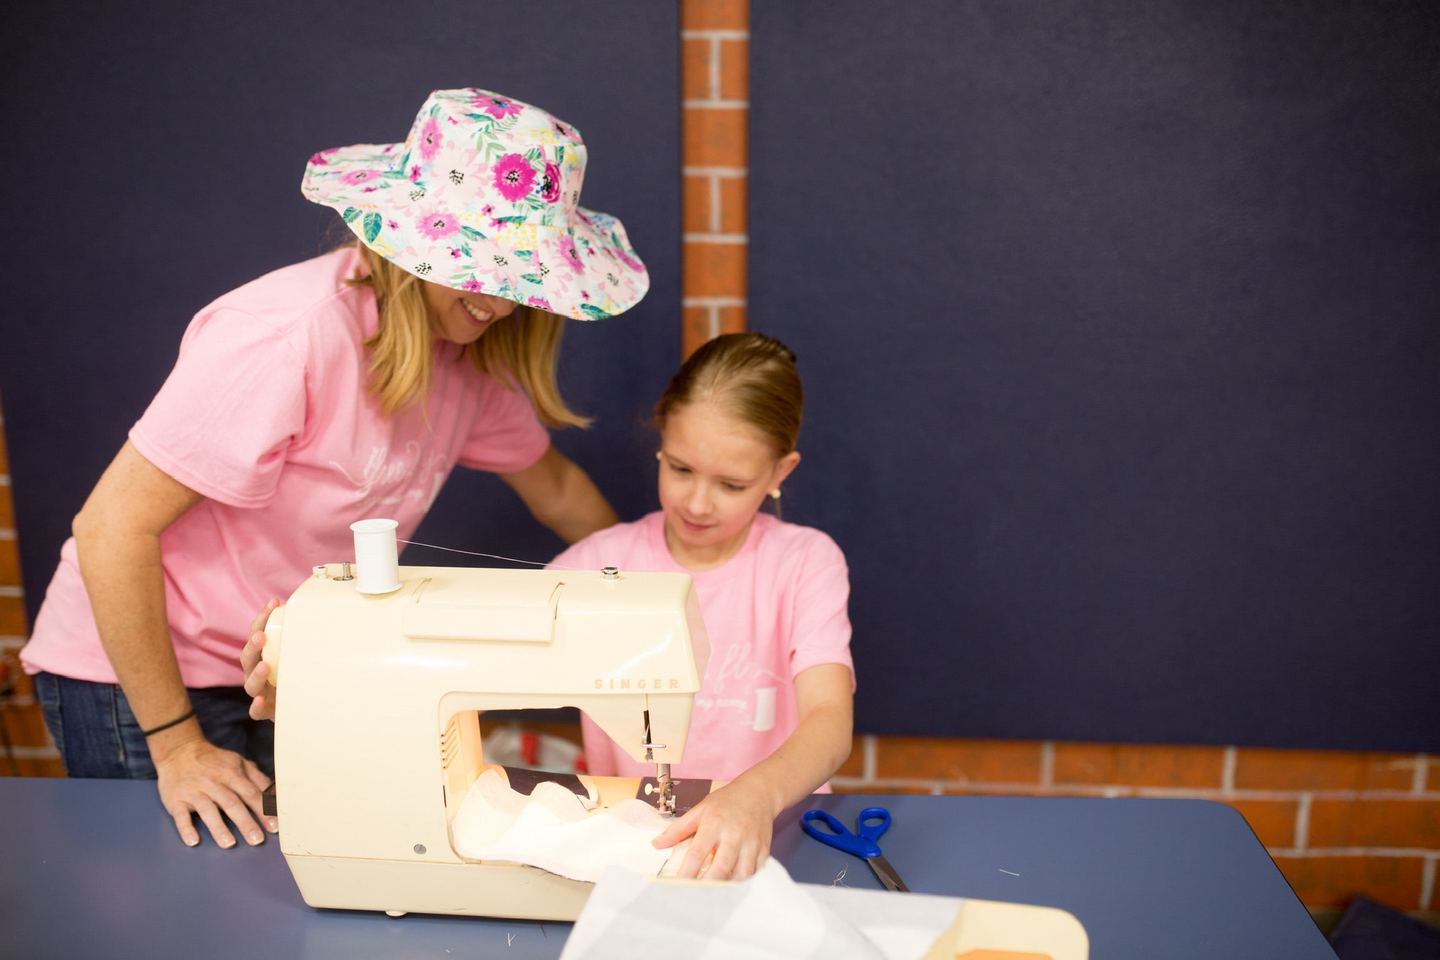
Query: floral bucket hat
[484, 195]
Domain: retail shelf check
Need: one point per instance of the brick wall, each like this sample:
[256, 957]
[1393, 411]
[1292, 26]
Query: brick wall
[26, 743]
[715, 94]
[1337, 823]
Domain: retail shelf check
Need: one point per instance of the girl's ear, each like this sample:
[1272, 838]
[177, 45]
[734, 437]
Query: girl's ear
[784, 467]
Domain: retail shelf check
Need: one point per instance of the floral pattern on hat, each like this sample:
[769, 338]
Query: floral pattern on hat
[483, 196]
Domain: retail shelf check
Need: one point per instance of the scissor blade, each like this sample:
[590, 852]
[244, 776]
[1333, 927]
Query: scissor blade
[887, 874]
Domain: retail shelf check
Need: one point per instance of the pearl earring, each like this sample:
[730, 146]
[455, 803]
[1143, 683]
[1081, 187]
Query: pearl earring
[659, 455]
[775, 493]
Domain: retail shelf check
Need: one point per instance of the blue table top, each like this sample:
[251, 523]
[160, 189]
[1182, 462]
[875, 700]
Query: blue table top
[93, 868]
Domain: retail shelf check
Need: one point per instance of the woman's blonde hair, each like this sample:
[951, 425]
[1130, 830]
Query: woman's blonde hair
[750, 376]
[519, 350]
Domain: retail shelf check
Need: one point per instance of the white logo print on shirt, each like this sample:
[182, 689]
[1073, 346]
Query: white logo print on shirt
[387, 474]
[737, 668]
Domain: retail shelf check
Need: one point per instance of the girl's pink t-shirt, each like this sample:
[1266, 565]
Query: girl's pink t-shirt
[778, 606]
[268, 416]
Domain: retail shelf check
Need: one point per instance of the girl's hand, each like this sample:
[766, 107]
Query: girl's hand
[257, 671]
[734, 824]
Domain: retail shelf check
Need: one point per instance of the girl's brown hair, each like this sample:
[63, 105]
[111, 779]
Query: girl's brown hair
[749, 375]
[519, 350]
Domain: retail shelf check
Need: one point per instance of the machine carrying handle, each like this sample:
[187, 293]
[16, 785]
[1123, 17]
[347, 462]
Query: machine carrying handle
[270, 654]
[839, 837]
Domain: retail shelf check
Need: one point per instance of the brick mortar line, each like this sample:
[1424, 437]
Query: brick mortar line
[1302, 822]
[716, 104]
[7, 533]
[1047, 763]
[1227, 772]
[870, 756]
[716, 34]
[1422, 769]
[9, 591]
[12, 639]
[719, 239]
[714, 66]
[36, 753]
[724, 173]
[1427, 883]
[4, 479]
[714, 204]
[712, 302]
[17, 700]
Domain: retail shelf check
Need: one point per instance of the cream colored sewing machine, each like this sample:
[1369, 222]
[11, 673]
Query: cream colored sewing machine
[376, 731]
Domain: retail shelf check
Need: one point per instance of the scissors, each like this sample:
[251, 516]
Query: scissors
[863, 845]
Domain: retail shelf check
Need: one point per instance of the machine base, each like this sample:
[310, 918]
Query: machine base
[470, 889]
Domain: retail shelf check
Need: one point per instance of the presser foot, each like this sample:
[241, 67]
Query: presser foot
[684, 794]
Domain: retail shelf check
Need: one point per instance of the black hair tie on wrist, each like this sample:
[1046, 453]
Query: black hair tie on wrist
[166, 726]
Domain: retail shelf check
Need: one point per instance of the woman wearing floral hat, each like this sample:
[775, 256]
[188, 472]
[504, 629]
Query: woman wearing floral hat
[329, 391]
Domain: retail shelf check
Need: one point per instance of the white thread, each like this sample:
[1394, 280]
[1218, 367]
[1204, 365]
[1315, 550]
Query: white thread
[491, 556]
[840, 878]
[1011, 872]
[377, 559]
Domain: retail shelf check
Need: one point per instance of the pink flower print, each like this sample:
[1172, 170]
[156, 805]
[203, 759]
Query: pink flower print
[629, 261]
[497, 107]
[486, 210]
[438, 225]
[455, 253]
[368, 189]
[430, 139]
[566, 248]
[319, 160]
[415, 173]
[540, 302]
[550, 183]
[356, 177]
[473, 285]
[513, 176]
[393, 224]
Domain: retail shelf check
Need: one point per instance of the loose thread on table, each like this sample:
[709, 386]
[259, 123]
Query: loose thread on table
[840, 877]
[1011, 872]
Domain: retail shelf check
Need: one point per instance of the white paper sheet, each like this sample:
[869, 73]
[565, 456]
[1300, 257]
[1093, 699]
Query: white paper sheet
[767, 917]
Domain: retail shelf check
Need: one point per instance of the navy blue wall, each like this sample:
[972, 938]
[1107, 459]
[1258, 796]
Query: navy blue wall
[1120, 325]
[153, 155]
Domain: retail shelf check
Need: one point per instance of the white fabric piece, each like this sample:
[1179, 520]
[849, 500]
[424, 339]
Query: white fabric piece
[552, 830]
[767, 917]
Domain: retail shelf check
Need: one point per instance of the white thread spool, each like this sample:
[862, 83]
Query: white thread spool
[377, 557]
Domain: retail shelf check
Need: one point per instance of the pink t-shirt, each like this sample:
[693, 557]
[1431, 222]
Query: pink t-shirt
[267, 415]
[775, 608]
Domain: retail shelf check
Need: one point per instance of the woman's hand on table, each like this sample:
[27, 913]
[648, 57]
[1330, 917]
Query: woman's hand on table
[197, 777]
[735, 824]
[257, 671]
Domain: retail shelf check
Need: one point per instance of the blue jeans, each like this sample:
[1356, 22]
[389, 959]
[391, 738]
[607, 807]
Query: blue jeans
[99, 737]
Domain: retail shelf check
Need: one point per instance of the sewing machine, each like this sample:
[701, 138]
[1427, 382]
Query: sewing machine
[377, 738]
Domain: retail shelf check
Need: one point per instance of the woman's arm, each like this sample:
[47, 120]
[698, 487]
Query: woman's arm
[736, 821]
[117, 537]
[562, 496]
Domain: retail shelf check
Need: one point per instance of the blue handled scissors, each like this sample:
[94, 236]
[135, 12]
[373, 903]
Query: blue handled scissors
[861, 843]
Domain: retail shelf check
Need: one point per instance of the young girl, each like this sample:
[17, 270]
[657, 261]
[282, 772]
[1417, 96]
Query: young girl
[773, 714]
[322, 393]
